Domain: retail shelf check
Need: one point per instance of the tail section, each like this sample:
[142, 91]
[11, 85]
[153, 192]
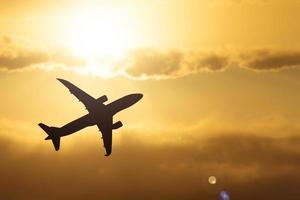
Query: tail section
[52, 135]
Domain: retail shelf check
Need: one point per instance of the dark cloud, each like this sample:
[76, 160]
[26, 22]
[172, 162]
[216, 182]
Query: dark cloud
[212, 62]
[153, 63]
[248, 167]
[268, 60]
[21, 60]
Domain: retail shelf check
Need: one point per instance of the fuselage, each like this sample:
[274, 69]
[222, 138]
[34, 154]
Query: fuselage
[102, 113]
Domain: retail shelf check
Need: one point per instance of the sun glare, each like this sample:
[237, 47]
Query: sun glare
[100, 38]
[98, 34]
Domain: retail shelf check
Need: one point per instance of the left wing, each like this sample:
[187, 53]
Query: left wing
[88, 101]
[105, 127]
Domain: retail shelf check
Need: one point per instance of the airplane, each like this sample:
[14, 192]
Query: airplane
[99, 114]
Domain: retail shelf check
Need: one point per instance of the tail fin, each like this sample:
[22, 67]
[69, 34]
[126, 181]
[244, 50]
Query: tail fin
[51, 131]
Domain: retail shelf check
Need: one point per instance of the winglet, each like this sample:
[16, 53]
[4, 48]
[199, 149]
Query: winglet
[108, 151]
[62, 81]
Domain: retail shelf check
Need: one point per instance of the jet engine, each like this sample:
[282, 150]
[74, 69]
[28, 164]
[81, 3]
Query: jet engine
[102, 99]
[117, 125]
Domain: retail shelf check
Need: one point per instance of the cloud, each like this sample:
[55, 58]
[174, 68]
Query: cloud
[15, 55]
[149, 63]
[271, 60]
[154, 63]
[212, 62]
[247, 166]
[21, 60]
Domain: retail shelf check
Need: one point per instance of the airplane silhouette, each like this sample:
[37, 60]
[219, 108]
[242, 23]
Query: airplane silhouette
[99, 114]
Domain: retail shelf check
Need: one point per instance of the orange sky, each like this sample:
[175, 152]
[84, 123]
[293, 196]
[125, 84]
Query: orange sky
[221, 95]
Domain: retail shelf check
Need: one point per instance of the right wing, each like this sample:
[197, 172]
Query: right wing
[105, 127]
[88, 101]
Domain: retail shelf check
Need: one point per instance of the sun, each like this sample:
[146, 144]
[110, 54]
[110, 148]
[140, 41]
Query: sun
[94, 34]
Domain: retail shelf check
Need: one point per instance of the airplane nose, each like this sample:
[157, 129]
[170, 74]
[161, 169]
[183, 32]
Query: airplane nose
[139, 96]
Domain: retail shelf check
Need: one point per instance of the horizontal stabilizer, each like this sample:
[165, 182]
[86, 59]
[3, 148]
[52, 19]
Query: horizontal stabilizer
[56, 143]
[52, 135]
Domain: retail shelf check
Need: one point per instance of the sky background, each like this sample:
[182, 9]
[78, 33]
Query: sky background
[221, 84]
